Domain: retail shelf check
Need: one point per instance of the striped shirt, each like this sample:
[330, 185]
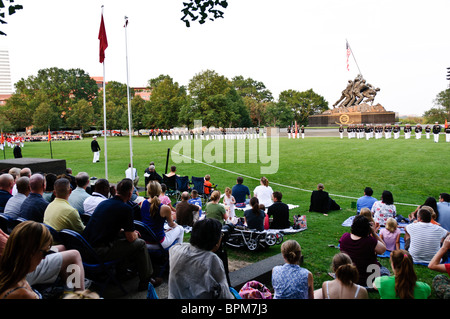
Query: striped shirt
[425, 240]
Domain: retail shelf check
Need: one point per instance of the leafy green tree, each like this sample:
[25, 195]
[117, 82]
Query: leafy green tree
[303, 104]
[203, 9]
[18, 112]
[166, 102]
[214, 100]
[58, 87]
[255, 95]
[278, 114]
[46, 117]
[138, 111]
[12, 8]
[441, 110]
[81, 116]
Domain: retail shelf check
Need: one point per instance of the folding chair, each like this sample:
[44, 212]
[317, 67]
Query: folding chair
[199, 185]
[182, 186]
[4, 220]
[13, 222]
[171, 183]
[93, 265]
[55, 234]
[155, 249]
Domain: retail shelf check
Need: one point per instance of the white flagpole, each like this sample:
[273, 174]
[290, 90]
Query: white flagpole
[130, 130]
[104, 118]
[353, 57]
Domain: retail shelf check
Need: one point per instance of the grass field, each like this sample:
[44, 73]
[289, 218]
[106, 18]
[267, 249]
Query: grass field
[411, 169]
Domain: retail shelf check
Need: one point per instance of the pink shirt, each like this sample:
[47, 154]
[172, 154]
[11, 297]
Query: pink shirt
[389, 238]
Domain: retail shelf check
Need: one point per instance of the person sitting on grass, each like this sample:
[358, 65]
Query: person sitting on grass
[321, 201]
[196, 200]
[391, 234]
[291, 281]
[441, 283]
[404, 284]
[254, 217]
[214, 210]
[384, 208]
[344, 285]
[363, 245]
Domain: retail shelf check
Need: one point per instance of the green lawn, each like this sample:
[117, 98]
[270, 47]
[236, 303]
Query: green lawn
[411, 169]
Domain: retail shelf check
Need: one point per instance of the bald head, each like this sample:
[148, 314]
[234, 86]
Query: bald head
[6, 182]
[185, 196]
[37, 183]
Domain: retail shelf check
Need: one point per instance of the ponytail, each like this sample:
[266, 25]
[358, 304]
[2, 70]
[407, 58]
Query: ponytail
[153, 192]
[405, 276]
[254, 202]
[345, 271]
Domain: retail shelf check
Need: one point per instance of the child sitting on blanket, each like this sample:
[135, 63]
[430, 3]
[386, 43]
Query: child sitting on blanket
[391, 234]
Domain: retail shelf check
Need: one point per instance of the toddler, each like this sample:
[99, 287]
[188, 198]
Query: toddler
[391, 234]
[229, 201]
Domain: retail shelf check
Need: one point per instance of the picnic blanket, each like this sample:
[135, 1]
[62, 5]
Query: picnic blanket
[348, 222]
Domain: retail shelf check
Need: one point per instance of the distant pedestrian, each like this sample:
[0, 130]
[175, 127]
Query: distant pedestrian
[95, 149]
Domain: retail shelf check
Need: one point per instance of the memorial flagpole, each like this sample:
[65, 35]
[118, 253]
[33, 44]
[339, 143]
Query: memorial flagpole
[130, 128]
[103, 45]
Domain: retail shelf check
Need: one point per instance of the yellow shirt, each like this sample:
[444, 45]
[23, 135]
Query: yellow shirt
[60, 215]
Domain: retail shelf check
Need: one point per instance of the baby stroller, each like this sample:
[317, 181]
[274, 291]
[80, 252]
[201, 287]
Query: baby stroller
[241, 236]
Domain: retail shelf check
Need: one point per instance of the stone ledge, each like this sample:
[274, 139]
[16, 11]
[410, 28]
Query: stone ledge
[260, 271]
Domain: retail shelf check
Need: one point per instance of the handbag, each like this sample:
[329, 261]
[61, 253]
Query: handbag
[255, 290]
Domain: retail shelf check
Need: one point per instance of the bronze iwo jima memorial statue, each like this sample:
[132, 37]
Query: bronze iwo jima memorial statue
[355, 106]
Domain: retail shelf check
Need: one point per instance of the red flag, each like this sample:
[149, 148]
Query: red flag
[103, 40]
[2, 139]
[348, 55]
[49, 136]
[446, 124]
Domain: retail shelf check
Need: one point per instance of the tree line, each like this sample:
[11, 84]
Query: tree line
[70, 99]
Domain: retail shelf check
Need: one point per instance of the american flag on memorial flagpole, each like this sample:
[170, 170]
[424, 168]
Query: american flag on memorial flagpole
[348, 54]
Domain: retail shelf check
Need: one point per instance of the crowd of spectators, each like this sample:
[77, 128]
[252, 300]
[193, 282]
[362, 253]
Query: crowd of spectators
[104, 215]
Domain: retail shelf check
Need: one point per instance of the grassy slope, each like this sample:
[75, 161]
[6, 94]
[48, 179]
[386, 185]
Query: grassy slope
[411, 169]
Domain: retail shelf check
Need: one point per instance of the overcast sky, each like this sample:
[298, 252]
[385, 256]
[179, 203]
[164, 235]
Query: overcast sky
[402, 47]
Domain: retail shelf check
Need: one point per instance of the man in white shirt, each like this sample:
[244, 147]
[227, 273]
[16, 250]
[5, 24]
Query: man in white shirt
[100, 193]
[131, 173]
[424, 237]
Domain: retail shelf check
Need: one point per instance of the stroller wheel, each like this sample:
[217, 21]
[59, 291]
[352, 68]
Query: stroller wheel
[279, 238]
[271, 239]
[252, 244]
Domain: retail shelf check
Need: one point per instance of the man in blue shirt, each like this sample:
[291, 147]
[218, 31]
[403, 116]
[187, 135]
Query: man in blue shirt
[33, 207]
[111, 233]
[6, 185]
[240, 192]
[443, 207]
[365, 201]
